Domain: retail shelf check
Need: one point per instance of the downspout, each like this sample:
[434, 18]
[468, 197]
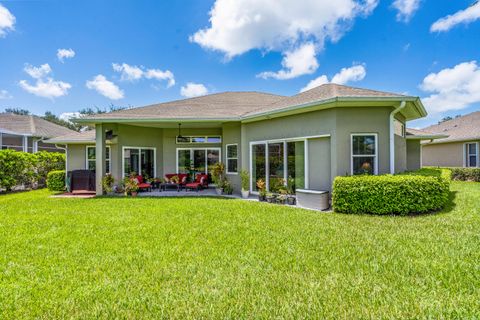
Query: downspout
[392, 136]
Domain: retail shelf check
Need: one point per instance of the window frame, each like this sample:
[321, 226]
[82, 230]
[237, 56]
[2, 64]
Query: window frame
[230, 158]
[109, 159]
[140, 162]
[205, 137]
[375, 156]
[191, 149]
[467, 154]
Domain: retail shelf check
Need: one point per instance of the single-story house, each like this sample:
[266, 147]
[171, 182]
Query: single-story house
[311, 137]
[459, 147]
[28, 132]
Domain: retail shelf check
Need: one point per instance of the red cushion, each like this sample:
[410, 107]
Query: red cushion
[144, 185]
[140, 179]
[192, 185]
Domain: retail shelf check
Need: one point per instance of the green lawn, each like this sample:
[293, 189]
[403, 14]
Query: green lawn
[215, 258]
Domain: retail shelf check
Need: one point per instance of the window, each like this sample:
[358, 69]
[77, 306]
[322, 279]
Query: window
[471, 154]
[232, 158]
[364, 154]
[140, 161]
[198, 139]
[91, 159]
[278, 162]
[399, 128]
[198, 160]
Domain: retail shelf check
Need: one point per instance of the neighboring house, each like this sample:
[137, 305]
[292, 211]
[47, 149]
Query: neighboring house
[312, 137]
[27, 133]
[460, 147]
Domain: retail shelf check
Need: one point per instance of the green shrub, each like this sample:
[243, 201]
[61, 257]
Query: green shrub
[16, 168]
[466, 174]
[56, 180]
[414, 192]
[46, 162]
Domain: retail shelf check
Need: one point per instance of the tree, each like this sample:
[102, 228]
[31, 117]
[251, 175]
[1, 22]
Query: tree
[19, 111]
[49, 116]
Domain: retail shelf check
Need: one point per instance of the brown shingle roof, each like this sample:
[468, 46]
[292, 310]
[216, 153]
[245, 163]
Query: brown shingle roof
[30, 125]
[462, 128]
[220, 105]
[74, 137]
[237, 105]
[325, 92]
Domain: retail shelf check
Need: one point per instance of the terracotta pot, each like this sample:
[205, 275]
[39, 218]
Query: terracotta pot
[134, 193]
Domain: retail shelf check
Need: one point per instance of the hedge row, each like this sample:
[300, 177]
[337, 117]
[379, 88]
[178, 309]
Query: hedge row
[56, 180]
[411, 193]
[466, 174]
[27, 169]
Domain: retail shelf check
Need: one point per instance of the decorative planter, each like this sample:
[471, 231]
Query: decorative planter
[219, 190]
[134, 193]
[245, 194]
[261, 198]
[271, 199]
[291, 200]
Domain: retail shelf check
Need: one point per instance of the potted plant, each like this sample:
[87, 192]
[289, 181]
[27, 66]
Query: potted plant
[131, 186]
[291, 199]
[282, 198]
[245, 177]
[270, 197]
[218, 176]
[262, 191]
[107, 183]
[227, 187]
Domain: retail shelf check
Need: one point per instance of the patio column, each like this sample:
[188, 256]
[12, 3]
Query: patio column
[25, 143]
[1, 140]
[100, 158]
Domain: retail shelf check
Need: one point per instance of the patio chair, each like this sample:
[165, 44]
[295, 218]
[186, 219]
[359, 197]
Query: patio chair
[201, 181]
[143, 186]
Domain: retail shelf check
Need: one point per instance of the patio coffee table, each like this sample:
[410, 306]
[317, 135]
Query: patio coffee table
[170, 185]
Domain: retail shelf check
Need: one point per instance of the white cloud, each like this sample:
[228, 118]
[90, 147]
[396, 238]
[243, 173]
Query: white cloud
[160, 75]
[7, 21]
[46, 88]
[193, 90]
[133, 73]
[452, 88]
[63, 54]
[238, 26]
[468, 15]
[66, 116]
[354, 73]
[406, 9]
[105, 87]
[4, 94]
[295, 63]
[37, 72]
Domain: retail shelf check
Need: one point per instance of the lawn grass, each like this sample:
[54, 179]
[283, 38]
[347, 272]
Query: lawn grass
[215, 258]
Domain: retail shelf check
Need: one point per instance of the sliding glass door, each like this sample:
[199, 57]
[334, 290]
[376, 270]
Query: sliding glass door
[278, 163]
[199, 160]
[140, 161]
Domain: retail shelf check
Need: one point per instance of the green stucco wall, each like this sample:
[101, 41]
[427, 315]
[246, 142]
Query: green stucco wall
[413, 155]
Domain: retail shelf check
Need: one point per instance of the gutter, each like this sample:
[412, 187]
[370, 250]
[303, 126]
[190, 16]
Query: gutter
[392, 136]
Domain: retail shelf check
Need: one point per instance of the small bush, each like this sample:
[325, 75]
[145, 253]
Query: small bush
[16, 168]
[56, 180]
[466, 174]
[404, 194]
[46, 162]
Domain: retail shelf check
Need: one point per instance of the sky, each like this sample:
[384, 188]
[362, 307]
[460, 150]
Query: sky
[65, 55]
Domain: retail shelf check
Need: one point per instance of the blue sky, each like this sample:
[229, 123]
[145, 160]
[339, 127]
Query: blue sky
[133, 53]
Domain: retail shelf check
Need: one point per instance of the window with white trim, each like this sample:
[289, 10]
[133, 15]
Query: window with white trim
[471, 154]
[232, 158]
[364, 154]
[198, 139]
[91, 159]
